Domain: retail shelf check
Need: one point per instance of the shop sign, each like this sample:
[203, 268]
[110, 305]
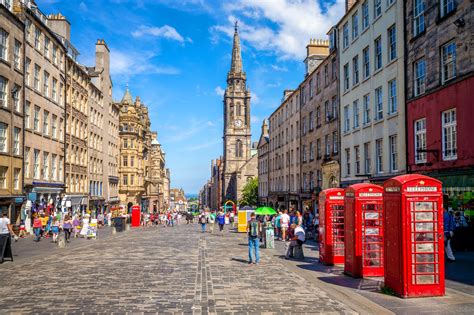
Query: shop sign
[336, 197]
[32, 196]
[422, 189]
[368, 194]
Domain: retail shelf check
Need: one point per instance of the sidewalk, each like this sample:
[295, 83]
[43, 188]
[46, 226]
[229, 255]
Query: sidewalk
[459, 298]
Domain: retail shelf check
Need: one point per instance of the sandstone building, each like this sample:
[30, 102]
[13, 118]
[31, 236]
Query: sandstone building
[238, 165]
[262, 148]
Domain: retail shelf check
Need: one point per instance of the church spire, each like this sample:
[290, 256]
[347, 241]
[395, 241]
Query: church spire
[236, 65]
[127, 97]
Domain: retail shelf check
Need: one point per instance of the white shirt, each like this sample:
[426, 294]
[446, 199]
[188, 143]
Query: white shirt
[285, 219]
[299, 233]
[4, 223]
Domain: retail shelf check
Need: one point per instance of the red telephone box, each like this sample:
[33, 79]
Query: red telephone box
[363, 231]
[136, 214]
[414, 244]
[331, 226]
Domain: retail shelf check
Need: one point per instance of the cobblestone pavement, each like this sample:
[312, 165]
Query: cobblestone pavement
[165, 270]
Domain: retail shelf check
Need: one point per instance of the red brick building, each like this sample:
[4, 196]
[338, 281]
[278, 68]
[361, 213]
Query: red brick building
[440, 93]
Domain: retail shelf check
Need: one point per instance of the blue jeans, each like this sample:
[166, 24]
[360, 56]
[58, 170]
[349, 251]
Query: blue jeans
[254, 244]
[37, 233]
[203, 226]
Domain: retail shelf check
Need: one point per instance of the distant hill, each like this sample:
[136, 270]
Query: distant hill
[189, 196]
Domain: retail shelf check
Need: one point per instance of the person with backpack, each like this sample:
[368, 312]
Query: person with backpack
[203, 221]
[221, 221]
[253, 228]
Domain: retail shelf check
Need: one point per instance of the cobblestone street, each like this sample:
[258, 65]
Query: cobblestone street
[180, 270]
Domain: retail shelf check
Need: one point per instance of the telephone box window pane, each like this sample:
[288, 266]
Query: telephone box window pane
[424, 237]
[425, 268]
[373, 238]
[425, 258]
[371, 215]
[370, 247]
[372, 231]
[425, 248]
[423, 206]
[424, 216]
[425, 279]
[424, 226]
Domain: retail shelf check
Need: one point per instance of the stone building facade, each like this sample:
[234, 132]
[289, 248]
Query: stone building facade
[12, 50]
[239, 165]
[440, 81]
[157, 174]
[262, 158]
[45, 97]
[370, 39]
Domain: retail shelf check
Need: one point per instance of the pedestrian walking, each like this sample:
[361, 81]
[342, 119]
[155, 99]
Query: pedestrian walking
[221, 221]
[212, 221]
[67, 227]
[253, 229]
[202, 220]
[5, 226]
[37, 225]
[449, 226]
[55, 229]
[285, 221]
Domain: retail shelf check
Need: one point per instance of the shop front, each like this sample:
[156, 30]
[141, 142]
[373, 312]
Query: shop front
[97, 205]
[12, 205]
[75, 203]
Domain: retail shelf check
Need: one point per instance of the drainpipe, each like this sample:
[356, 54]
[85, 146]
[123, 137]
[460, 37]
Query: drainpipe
[405, 84]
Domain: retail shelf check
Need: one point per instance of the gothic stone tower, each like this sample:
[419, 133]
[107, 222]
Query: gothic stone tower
[237, 135]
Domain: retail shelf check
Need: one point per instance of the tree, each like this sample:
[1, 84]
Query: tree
[250, 193]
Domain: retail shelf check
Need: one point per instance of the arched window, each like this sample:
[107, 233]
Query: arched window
[238, 149]
[239, 110]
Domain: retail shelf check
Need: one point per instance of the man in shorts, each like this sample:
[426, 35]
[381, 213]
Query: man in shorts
[284, 223]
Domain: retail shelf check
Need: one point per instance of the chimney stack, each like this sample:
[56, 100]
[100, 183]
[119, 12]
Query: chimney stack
[316, 51]
[60, 25]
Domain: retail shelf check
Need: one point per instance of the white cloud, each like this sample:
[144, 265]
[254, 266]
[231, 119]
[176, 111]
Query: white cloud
[219, 91]
[132, 63]
[254, 98]
[278, 68]
[83, 6]
[296, 22]
[164, 31]
[254, 119]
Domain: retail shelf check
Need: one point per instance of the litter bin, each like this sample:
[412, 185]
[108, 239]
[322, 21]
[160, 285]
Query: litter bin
[118, 223]
[269, 237]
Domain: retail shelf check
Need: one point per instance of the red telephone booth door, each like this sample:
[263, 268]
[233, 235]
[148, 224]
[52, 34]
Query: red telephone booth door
[425, 268]
[337, 231]
[372, 239]
[136, 216]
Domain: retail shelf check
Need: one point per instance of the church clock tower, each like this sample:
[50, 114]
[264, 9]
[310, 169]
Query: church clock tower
[237, 134]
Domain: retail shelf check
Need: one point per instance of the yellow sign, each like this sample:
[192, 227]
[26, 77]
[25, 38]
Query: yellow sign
[242, 219]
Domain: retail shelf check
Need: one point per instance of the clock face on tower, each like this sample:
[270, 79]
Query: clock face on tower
[238, 123]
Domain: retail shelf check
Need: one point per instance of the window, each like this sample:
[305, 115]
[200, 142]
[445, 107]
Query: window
[55, 54]
[366, 57]
[367, 161]
[3, 92]
[61, 87]
[334, 69]
[16, 98]
[420, 75]
[304, 153]
[348, 162]
[392, 96]
[318, 116]
[327, 111]
[46, 84]
[326, 74]
[36, 164]
[318, 148]
[27, 115]
[54, 127]
[125, 180]
[377, 8]
[61, 163]
[334, 142]
[334, 107]
[3, 176]
[389, 2]
[378, 53]
[311, 121]
[449, 134]
[345, 35]
[327, 142]
[357, 159]
[46, 123]
[36, 119]
[379, 155]
[365, 15]
[132, 161]
[355, 70]
[54, 94]
[16, 178]
[418, 17]
[125, 161]
[393, 153]
[3, 137]
[3, 44]
[311, 91]
[346, 77]
[355, 25]
[37, 38]
[27, 71]
[366, 115]
[132, 179]
[448, 61]
[53, 167]
[125, 143]
[378, 103]
[446, 7]
[17, 55]
[61, 129]
[346, 118]
[27, 162]
[46, 46]
[392, 43]
[238, 149]
[16, 140]
[37, 77]
[420, 140]
[355, 112]
[311, 151]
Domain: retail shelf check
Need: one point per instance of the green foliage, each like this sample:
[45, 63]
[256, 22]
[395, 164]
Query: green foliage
[250, 193]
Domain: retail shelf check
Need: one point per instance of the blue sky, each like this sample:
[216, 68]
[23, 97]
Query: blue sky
[175, 55]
